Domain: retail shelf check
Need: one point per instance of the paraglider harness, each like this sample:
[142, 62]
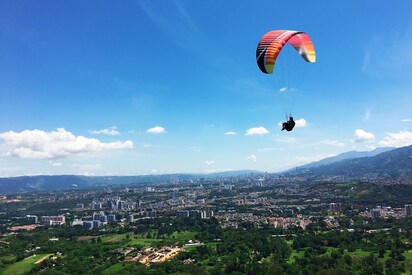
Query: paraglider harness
[288, 125]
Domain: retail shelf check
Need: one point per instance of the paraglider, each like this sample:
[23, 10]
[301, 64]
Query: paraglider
[269, 48]
[288, 125]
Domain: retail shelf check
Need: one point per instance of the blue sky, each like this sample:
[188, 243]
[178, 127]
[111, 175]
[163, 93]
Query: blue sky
[145, 87]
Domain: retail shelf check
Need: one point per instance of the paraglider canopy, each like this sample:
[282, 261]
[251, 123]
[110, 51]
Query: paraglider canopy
[272, 43]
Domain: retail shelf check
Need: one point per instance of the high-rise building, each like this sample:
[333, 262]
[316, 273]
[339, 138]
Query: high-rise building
[31, 218]
[375, 213]
[112, 204]
[52, 220]
[96, 205]
[80, 205]
[111, 218]
[121, 205]
[335, 207]
[408, 210]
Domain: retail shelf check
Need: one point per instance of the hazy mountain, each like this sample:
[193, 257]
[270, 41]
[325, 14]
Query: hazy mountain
[346, 155]
[39, 183]
[393, 164]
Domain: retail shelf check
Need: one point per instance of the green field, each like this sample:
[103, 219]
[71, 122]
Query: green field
[142, 242]
[183, 236]
[24, 265]
[114, 269]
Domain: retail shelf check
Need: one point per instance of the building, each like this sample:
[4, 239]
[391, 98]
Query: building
[97, 224]
[88, 224]
[151, 213]
[103, 218]
[80, 205]
[408, 210]
[130, 218]
[96, 205]
[31, 219]
[182, 213]
[111, 218]
[277, 222]
[335, 207]
[375, 213]
[52, 220]
[98, 215]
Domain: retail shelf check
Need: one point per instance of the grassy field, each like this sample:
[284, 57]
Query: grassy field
[142, 242]
[183, 236]
[114, 269]
[24, 265]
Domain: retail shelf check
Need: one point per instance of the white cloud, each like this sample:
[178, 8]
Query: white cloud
[112, 131]
[257, 131]
[363, 136]
[333, 143]
[230, 133]
[55, 164]
[60, 143]
[252, 158]
[209, 162]
[371, 147]
[407, 120]
[156, 130]
[267, 149]
[283, 89]
[367, 116]
[194, 149]
[300, 123]
[402, 138]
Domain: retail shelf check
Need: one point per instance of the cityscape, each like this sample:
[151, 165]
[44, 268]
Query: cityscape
[278, 204]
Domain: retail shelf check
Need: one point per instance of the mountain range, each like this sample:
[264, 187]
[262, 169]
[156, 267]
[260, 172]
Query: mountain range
[393, 164]
[385, 163]
[62, 182]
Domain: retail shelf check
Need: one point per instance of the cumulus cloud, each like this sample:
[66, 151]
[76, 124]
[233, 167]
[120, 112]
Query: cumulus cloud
[407, 120]
[60, 143]
[156, 130]
[257, 131]
[209, 162]
[363, 136]
[252, 158]
[400, 139]
[300, 123]
[333, 143]
[112, 131]
[230, 133]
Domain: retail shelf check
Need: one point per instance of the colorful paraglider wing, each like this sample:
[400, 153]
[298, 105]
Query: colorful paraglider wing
[272, 43]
